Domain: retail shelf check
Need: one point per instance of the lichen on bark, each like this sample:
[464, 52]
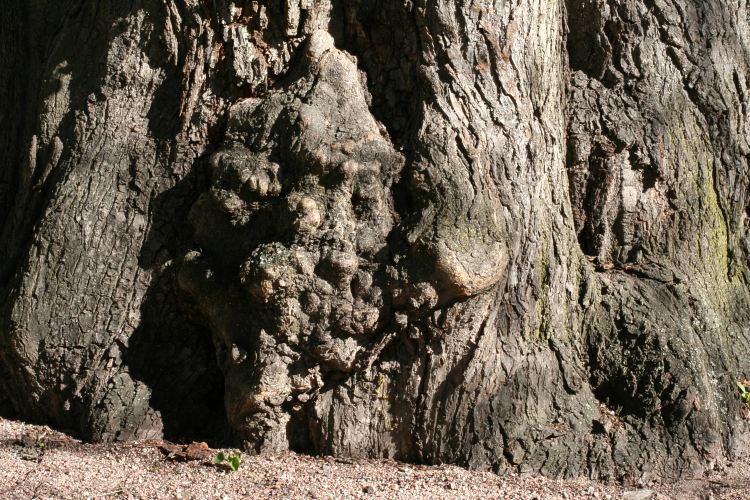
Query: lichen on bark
[505, 235]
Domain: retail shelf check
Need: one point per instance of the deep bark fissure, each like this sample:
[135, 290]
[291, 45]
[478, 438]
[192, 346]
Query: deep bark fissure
[435, 231]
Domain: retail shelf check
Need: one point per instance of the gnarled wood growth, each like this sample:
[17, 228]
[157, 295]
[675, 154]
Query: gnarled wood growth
[501, 234]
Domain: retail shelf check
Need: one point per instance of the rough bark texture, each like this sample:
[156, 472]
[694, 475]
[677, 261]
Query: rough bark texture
[102, 130]
[501, 234]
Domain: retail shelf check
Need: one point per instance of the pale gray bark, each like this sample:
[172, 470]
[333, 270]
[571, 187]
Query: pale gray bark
[506, 235]
[99, 177]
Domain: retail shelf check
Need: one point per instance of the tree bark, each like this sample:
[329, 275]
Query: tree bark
[504, 235]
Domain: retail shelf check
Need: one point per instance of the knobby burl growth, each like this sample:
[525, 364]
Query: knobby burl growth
[500, 225]
[294, 271]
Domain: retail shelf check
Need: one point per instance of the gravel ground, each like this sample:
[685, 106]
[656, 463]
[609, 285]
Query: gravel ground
[36, 462]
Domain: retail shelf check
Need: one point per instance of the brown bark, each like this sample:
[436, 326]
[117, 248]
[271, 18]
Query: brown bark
[501, 235]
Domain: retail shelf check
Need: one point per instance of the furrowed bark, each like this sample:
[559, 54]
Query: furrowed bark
[104, 140]
[504, 235]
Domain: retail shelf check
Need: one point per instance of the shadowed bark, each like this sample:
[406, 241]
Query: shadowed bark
[505, 235]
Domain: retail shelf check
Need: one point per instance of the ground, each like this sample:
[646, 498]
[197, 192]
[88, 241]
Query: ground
[38, 462]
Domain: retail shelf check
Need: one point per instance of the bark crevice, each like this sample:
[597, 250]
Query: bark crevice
[434, 231]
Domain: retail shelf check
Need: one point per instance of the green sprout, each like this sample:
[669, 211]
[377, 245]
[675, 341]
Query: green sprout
[744, 394]
[232, 462]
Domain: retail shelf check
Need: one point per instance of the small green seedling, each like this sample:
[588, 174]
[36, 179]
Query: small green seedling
[744, 394]
[232, 462]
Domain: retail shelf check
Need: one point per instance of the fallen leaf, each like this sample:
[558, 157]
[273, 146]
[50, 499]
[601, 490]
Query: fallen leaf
[192, 451]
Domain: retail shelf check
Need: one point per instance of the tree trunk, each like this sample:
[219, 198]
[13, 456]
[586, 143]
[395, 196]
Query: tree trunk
[504, 235]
